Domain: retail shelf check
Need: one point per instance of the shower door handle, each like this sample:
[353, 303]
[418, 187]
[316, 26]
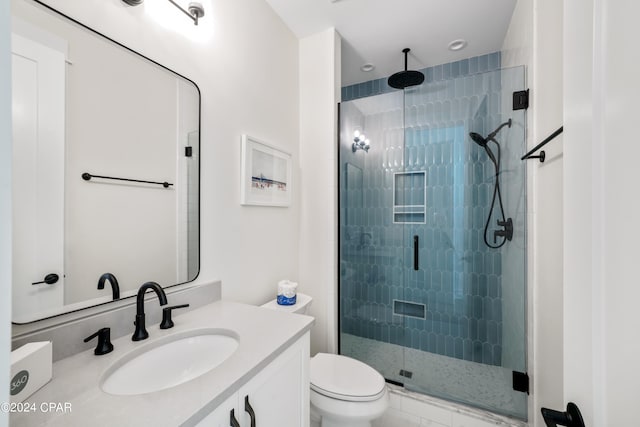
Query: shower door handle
[416, 253]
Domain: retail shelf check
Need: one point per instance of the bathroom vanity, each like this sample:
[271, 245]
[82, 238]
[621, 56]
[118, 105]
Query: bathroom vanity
[268, 368]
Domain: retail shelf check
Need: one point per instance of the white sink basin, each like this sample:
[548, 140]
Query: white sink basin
[170, 361]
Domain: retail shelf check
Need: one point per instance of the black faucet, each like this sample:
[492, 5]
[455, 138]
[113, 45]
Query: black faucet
[115, 288]
[141, 332]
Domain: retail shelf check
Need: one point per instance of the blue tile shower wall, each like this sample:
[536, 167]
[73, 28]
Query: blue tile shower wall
[459, 279]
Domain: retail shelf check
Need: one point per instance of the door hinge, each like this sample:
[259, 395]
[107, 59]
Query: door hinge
[521, 100]
[521, 382]
[188, 151]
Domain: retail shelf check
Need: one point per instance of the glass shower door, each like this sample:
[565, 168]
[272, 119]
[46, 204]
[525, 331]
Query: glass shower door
[470, 274]
[371, 250]
[427, 296]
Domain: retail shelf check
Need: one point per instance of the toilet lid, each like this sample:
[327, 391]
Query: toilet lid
[344, 378]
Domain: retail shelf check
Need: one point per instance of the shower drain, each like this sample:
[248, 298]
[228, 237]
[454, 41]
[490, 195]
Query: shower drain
[406, 374]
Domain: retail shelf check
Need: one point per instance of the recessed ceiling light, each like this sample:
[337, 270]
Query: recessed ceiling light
[367, 67]
[458, 44]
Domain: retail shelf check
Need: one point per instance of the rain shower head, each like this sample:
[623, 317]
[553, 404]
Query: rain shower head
[406, 78]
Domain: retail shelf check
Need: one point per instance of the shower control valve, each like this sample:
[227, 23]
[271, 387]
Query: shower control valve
[507, 232]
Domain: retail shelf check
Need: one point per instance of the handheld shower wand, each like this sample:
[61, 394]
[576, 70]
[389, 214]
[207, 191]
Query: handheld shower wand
[484, 142]
[507, 223]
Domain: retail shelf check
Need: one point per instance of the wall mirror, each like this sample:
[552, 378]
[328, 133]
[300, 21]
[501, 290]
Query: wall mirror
[106, 149]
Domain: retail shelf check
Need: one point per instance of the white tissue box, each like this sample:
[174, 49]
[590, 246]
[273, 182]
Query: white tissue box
[31, 368]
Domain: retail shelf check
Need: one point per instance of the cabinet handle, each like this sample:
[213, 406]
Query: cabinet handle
[232, 419]
[249, 409]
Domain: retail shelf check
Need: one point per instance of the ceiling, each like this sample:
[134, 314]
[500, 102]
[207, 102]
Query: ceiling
[376, 31]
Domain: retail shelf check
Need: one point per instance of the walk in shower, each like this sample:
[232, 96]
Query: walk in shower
[432, 273]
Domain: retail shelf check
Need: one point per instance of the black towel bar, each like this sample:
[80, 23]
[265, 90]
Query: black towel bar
[87, 176]
[542, 154]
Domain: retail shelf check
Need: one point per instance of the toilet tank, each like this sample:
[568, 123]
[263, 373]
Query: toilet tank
[300, 307]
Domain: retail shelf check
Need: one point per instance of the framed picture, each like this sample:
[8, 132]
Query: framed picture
[266, 174]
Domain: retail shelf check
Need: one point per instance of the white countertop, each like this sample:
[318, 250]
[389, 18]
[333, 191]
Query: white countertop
[263, 335]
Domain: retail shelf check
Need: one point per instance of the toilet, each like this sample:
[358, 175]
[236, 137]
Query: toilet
[344, 391]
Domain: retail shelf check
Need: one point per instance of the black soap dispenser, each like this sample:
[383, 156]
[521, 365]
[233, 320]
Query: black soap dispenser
[104, 341]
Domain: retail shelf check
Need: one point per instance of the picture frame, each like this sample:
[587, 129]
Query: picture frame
[266, 178]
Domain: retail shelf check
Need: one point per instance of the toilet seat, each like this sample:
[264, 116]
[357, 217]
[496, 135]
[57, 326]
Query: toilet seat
[343, 378]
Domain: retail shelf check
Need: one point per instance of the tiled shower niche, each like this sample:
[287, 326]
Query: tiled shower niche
[409, 197]
[423, 181]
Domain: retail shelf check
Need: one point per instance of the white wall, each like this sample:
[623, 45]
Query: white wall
[319, 95]
[534, 39]
[581, 253]
[548, 209]
[547, 212]
[5, 204]
[245, 61]
[616, 71]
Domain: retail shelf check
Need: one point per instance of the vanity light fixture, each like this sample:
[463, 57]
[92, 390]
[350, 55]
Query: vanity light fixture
[360, 142]
[195, 10]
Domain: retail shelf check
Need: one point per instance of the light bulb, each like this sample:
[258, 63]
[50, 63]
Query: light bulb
[356, 134]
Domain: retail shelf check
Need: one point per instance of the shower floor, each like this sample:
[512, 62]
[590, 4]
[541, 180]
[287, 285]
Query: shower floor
[483, 386]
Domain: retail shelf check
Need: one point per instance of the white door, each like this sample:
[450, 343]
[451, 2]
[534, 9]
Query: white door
[601, 211]
[38, 112]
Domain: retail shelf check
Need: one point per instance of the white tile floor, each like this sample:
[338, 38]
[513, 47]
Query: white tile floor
[423, 411]
[407, 409]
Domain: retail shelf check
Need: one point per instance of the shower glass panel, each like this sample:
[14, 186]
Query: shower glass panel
[432, 288]
[370, 250]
